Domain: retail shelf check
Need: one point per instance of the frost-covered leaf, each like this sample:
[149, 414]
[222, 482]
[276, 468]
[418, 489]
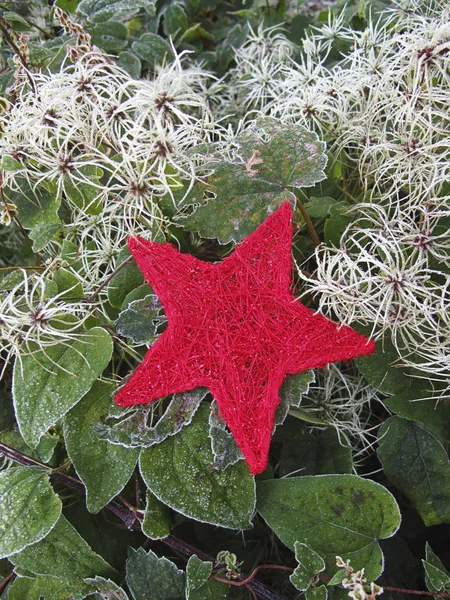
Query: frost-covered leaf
[103, 467]
[156, 523]
[437, 578]
[223, 445]
[111, 36]
[319, 592]
[36, 207]
[47, 588]
[199, 586]
[107, 589]
[332, 514]
[151, 578]
[175, 20]
[47, 385]
[415, 461]
[377, 369]
[43, 451]
[309, 564]
[154, 49]
[99, 11]
[43, 234]
[134, 432]
[29, 508]
[64, 554]
[141, 320]
[180, 473]
[291, 392]
[130, 63]
[124, 281]
[68, 283]
[273, 159]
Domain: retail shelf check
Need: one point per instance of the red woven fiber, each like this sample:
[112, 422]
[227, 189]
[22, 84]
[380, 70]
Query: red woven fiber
[235, 327]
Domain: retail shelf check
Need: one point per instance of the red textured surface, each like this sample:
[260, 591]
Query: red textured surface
[235, 327]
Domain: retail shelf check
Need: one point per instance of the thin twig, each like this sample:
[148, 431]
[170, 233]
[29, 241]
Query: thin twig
[94, 295]
[311, 230]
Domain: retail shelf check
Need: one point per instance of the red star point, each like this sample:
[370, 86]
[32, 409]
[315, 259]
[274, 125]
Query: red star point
[235, 328]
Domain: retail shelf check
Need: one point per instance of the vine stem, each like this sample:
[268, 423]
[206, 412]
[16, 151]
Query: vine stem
[129, 517]
[311, 229]
[9, 40]
[94, 295]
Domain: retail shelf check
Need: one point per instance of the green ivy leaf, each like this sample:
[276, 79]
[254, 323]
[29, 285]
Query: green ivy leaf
[110, 36]
[319, 207]
[103, 468]
[156, 523]
[151, 578]
[179, 473]
[332, 514]
[47, 385]
[377, 368]
[336, 223]
[68, 283]
[309, 564]
[198, 584]
[141, 320]
[415, 461]
[29, 508]
[275, 157]
[64, 554]
[437, 578]
[154, 49]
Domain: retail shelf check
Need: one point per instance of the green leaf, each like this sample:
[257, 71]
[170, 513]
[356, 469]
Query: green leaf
[130, 63]
[43, 234]
[223, 445]
[275, 158]
[179, 473]
[198, 584]
[379, 371]
[99, 11]
[319, 207]
[175, 20]
[332, 514]
[84, 195]
[35, 207]
[68, 283]
[29, 508]
[46, 588]
[153, 49]
[156, 523]
[43, 451]
[437, 578]
[47, 385]
[336, 223]
[64, 554]
[415, 461]
[103, 468]
[107, 589]
[291, 392]
[151, 578]
[110, 36]
[317, 593]
[141, 320]
[67, 5]
[8, 163]
[321, 455]
[309, 564]
[134, 432]
[124, 281]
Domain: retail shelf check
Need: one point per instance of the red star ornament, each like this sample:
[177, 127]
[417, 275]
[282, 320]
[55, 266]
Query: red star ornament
[235, 328]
